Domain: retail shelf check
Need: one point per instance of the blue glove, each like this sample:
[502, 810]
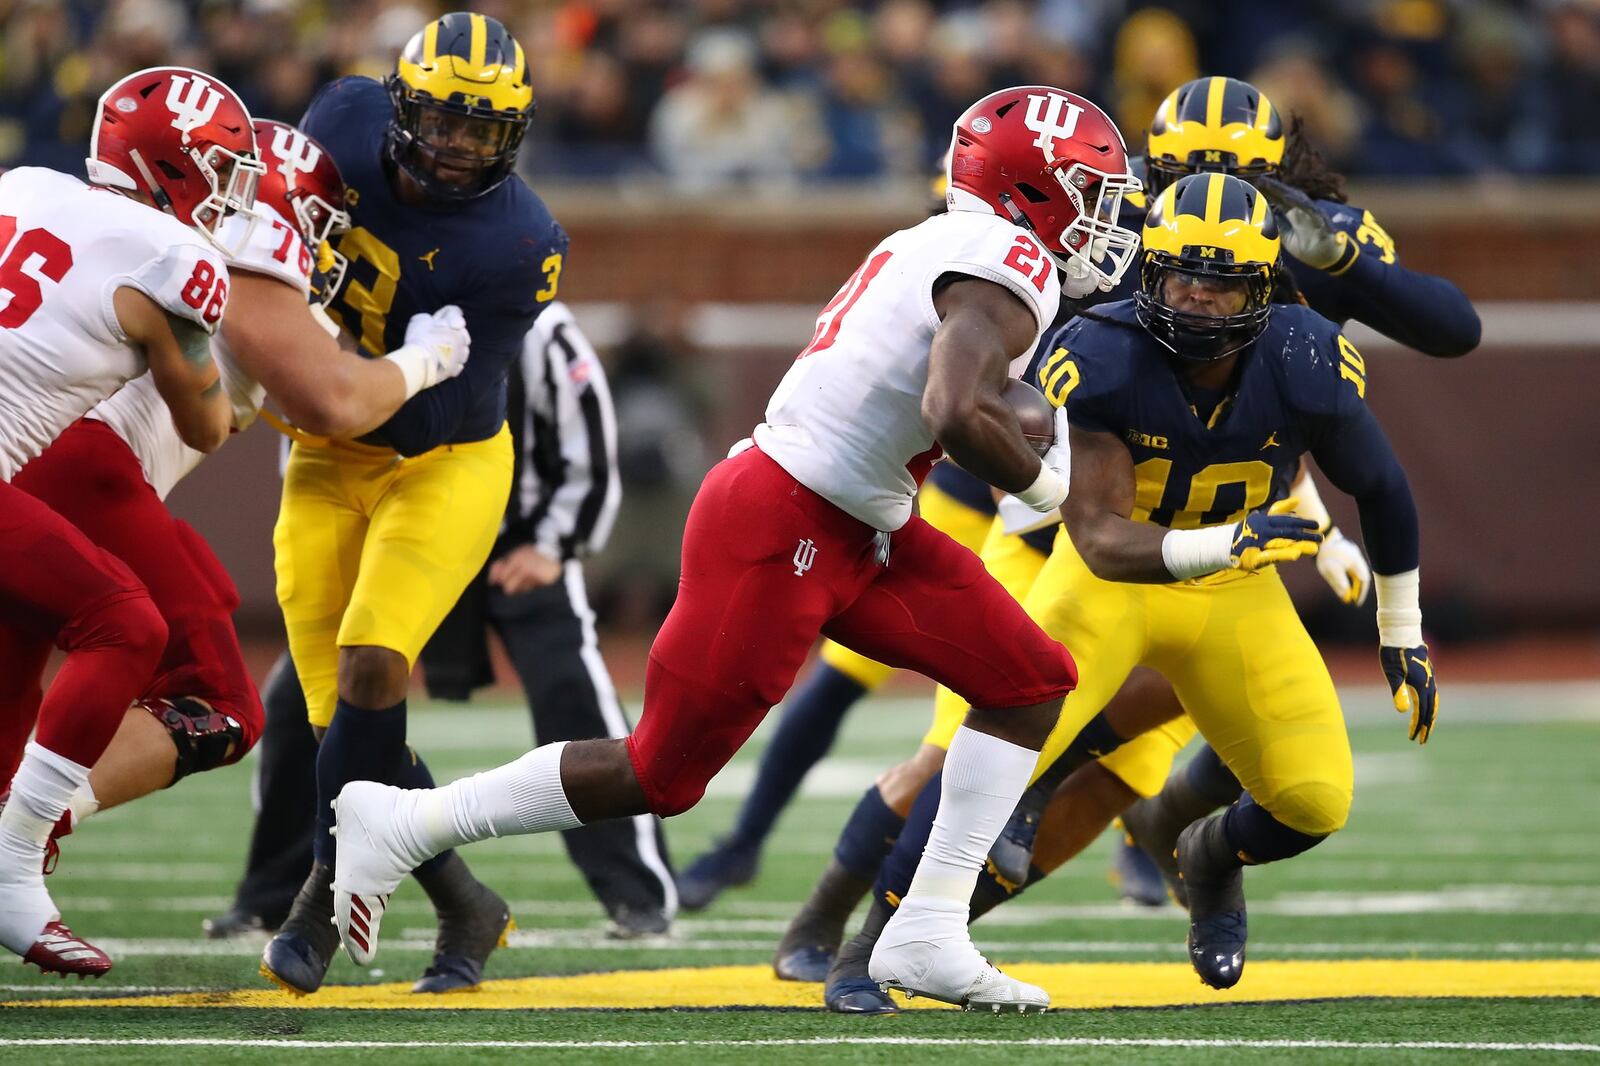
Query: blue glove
[1415, 689]
[1275, 535]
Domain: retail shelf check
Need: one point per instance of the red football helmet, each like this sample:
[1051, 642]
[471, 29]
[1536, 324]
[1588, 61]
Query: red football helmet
[1054, 163]
[302, 184]
[181, 137]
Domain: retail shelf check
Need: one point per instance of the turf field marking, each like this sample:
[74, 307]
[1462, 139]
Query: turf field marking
[816, 1041]
[418, 939]
[1072, 985]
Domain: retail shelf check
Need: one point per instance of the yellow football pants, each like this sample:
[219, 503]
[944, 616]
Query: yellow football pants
[374, 549]
[1241, 662]
[964, 525]
[1144, 762]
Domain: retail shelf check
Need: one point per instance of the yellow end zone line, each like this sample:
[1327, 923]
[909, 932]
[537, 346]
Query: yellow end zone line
[1071, 985]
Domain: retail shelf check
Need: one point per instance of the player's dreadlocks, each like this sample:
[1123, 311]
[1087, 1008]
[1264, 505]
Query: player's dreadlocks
[1304, 167]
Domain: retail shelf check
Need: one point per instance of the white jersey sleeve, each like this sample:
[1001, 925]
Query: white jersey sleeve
[187, 280]
[266, 243]
[1004, 254]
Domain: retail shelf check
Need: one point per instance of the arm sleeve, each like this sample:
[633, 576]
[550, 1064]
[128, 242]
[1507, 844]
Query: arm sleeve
[583, 508]
[186, 281]
[1421, 311]
[1354, 453]
[1011, 257]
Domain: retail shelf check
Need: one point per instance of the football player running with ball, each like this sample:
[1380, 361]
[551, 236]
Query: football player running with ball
[377, 537]
[809, 529]
[1178, 512]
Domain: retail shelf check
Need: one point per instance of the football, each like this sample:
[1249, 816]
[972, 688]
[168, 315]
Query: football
[1034, 413]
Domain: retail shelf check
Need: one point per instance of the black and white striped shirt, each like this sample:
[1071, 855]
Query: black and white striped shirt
[565, 490]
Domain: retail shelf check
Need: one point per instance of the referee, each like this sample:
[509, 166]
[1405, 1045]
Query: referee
[564, 498]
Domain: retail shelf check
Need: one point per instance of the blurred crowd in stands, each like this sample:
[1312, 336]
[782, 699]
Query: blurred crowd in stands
[710, 93]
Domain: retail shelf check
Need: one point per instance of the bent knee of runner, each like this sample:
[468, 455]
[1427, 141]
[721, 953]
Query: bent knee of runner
[667, 787]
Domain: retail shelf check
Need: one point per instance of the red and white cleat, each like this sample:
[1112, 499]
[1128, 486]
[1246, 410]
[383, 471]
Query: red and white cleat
[357, 916]
[59, 950]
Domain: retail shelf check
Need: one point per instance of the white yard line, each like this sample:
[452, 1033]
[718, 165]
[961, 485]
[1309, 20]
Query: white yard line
[824, 1041]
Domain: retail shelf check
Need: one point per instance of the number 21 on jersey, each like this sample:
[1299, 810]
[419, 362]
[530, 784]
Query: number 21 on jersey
[832, 314]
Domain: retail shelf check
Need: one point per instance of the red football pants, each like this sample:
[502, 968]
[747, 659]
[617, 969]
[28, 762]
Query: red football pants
[57, 587]
[91, 477]
[767, 566]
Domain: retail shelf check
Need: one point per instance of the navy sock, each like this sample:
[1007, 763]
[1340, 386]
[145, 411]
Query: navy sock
[1257, 837]
[805, 732]
[868, 836]
[900, 865]
[360, 745]
[1210, 779]
[414, 773]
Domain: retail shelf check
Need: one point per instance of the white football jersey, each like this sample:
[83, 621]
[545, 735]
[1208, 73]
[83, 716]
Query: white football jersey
[846, 421]
[65, 248]
[266, 245]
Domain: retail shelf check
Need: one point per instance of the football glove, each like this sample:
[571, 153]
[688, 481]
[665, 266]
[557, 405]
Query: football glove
[436, 348]
[1306, 232]
[1415, 689]
[1275, 535]
[1344, 567]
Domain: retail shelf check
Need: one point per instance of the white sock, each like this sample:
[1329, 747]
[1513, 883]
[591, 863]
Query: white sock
[984, 777]
[524, 796]
[40, 792]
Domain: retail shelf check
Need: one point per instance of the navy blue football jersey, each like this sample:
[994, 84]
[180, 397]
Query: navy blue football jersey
[498, 257]
[1297, 388]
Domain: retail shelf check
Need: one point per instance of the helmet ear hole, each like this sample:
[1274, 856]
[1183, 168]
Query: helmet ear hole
[1032, 193]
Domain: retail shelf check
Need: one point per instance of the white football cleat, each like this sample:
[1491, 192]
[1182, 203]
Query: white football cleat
[370, 864]
[926, 950]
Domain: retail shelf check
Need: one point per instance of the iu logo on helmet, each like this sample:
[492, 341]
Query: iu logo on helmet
[296, 154]
[805, 553]
[1053, 117]
[192, 101]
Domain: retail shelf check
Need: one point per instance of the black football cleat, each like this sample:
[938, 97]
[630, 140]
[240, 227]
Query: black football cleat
[848, 988]
[637, 923]
[1218, 928]
[238, 923]
[472, 924]
[297, 958]
[727, 865]
[808, 946]
[1137, 876]
[808, 963]
[1012, 852]
[1151, 829]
